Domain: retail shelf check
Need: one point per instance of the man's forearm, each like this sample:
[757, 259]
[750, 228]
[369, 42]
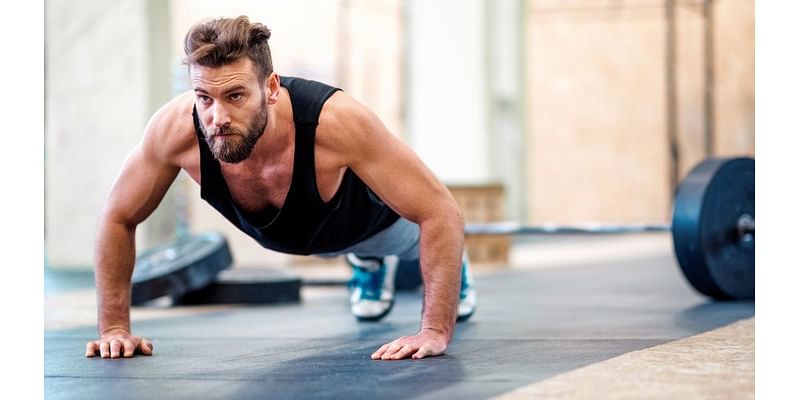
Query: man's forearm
[441, 247]
[115, 255]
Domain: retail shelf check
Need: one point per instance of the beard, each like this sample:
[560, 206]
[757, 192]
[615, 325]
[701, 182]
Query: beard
[238, 146]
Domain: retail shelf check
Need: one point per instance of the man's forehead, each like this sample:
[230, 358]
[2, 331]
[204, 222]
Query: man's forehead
[238, 72]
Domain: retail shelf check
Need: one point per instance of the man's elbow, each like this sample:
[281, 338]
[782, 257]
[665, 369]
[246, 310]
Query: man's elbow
[111, 216]
[458, 216]
[451, 214]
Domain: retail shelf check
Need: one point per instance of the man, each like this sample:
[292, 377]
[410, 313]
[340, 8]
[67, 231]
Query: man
[302, 168]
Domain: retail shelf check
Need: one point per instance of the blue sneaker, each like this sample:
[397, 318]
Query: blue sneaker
[467, 299]
[372, 286]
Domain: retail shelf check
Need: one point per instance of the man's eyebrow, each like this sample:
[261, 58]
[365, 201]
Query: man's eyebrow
[235, 88]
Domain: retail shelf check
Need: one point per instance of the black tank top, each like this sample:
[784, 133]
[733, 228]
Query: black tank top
[306, 224]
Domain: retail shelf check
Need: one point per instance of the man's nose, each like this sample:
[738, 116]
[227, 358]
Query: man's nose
[221, 116]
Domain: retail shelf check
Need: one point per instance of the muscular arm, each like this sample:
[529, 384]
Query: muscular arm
[137, 191]
[145, 177]
[400, 178]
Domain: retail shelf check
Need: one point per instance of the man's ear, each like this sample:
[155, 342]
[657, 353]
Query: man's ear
[273, 86]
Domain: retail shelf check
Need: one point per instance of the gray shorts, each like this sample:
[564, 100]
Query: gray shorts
[400, 239]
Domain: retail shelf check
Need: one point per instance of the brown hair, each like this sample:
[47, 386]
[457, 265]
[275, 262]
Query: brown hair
[225, 40]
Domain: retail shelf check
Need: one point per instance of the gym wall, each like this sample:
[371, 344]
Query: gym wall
[564, 103]
[106, 72]
[597, 113]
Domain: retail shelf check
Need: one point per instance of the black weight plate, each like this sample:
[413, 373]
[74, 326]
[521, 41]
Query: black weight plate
[189, 263]
[712, 253]
[246, 286]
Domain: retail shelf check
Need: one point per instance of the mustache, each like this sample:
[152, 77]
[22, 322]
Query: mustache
[223, 130]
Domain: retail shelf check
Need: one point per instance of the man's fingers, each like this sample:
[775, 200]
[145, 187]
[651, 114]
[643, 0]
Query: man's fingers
[91, 348]
[393, 348]
[423, 352]
[404, 352]
[104, 349]
[119, 347]
[116, 346]
[128, 347]
[423, 344]
[145, 347]
[379, 353]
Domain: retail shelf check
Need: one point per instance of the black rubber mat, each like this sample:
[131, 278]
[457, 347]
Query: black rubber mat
[530, 325]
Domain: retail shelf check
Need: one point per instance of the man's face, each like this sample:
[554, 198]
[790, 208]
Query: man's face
[232, 108]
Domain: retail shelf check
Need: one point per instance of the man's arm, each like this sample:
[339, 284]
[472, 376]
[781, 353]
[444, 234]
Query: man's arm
[145, 177]
[400, 179]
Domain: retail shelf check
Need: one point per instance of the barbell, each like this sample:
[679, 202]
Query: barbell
[713, 228]
[713, 232]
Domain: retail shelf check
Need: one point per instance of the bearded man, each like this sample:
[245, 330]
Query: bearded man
[302, 168]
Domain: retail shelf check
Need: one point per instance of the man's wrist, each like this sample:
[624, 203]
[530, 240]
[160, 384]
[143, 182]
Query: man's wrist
[105, 330]
[437, 331]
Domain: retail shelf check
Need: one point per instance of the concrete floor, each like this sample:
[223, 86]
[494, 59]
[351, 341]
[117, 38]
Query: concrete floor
[534, 326]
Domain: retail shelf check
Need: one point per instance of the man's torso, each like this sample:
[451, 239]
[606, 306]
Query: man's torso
[258, 187]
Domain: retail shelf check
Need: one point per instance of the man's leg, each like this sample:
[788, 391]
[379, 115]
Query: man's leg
[372, 286]
[391, 256]
[375, 264]
[374, 279]
[467, 297]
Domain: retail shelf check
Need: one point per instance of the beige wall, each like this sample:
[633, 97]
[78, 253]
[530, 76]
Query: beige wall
[597, 146]
[733, 84]
[597, 113]
[591, 101]
[371, 57]
[734, 55]
[690, 88]
[101, 84]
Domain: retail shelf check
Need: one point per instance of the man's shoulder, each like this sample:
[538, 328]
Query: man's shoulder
[176, 113]
[339, 113]
[343, 112]
[346, 126]
[171, 127]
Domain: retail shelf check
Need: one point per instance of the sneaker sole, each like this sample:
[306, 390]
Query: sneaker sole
[462, 318]
[375, 318]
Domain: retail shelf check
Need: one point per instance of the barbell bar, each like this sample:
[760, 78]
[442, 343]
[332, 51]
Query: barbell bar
[713, 228]
[713, 232]
[515, 228]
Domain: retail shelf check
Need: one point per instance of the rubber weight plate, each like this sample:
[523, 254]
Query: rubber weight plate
[713, 228]
[189, 263]
[246, 286]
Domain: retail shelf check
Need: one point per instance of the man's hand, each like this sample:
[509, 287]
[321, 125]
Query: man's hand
[118, 342]
[425, 343]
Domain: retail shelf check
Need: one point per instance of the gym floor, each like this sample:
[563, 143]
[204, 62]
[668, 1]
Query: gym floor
[569, 317]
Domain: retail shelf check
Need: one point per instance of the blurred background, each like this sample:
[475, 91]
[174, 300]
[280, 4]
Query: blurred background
[536, 111]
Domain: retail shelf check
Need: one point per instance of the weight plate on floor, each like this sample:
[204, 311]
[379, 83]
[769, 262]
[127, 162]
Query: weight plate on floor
[189, 263]
[713, 228]
[246, 286]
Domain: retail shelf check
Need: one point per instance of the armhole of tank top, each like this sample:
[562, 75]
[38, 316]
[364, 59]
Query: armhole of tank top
[336, 201]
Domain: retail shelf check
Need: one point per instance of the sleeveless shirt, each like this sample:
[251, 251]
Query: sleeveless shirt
[305, 224]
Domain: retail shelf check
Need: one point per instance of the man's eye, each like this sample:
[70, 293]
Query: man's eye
[236, 96]
[204, 99]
